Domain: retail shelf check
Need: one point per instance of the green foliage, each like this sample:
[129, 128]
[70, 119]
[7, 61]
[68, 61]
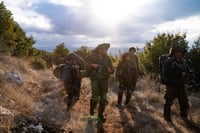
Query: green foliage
[194, 56]
[24, 44]
[60, 53]
[47, 56]
[7, 36]
[12, 37]
[158, 46]
[115, 59]
[39, 63]
[84, 51]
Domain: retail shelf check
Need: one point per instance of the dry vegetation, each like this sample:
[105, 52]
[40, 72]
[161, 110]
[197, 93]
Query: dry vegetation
[42, 99]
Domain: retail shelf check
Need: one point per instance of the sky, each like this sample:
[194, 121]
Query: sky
[123, 23]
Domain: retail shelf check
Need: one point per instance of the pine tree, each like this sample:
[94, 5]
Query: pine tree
[7, 36]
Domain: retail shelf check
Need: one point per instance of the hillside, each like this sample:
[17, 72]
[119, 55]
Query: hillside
[39, 105]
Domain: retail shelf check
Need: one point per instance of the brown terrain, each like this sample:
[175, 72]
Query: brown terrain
[39, 105]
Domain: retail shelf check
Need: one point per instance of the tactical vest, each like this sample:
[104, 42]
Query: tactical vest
[101, 72]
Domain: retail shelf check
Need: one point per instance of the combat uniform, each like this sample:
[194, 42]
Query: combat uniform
[175, 73]
[99, 80]
[134, 60]
[126, 74]
[71, 77]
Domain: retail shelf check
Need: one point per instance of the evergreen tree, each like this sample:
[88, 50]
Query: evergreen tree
[60, 53]
[158, 46]
[12, 37]
[7, 36]
[194, 56]
[24, 44]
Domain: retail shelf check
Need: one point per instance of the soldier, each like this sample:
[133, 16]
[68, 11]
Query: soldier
[71, 77]
[81, 64]
[99, 68]
[126, 75]
[175, 72]
[134, 58]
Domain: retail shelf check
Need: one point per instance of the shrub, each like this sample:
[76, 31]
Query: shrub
[39, 63]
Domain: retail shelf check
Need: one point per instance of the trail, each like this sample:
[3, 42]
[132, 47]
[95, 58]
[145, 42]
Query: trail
[41, 103]
[143, 115]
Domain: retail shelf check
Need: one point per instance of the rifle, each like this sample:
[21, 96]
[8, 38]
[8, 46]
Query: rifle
[104, 69]
[194, 82]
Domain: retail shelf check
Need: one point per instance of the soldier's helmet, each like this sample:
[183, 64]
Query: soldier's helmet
[132, 48]
[102, 46]
[125, 55]
[177, 48]
[72, 56]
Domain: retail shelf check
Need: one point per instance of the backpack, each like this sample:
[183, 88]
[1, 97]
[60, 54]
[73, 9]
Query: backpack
[162, 68]
[71, 73]
[58, 71]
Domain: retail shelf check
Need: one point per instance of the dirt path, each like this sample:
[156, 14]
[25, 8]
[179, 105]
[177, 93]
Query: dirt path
[143, 115]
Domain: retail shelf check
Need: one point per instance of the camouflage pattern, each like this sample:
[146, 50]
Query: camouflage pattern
[175, 72]
[126, 74]
[134, 60]
[58, 71]
[101, 72]
[71, 76]
[171, 94]
[99, 80]
[71, 80]
[100, 46]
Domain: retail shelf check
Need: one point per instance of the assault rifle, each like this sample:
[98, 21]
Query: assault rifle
[193, 79]
[104, 69]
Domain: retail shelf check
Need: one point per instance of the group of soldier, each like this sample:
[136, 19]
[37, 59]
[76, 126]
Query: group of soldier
[99, 68]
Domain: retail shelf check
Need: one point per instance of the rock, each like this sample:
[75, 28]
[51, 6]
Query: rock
[38, 128]
[4, 111]
[14, 78]
[1, 72]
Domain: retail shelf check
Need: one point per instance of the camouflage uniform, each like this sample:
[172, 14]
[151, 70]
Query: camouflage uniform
[99, 80]
[71, 77]
[134, 60]
[174, 72]
[126, 74]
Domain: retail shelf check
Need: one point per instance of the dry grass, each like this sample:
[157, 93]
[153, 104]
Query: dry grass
[18, 99]
[18, 95]
[45, 95]
[144, 114]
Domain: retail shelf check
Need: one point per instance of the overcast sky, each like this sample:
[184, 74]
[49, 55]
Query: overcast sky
[123, 23]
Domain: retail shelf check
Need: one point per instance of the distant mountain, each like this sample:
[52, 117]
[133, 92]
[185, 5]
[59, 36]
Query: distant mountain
[112, 50]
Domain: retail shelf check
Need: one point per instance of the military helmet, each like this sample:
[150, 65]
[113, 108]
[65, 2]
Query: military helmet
[177, 48]
[72, 56]
[125, 55]
[102, 46]
[132, 48]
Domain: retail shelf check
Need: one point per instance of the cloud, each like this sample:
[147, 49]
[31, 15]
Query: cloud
[190, 25]
[89, 22]
[27, 17]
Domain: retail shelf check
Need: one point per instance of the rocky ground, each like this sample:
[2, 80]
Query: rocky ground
[40, 107]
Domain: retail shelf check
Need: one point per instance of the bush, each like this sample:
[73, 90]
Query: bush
[39, 63]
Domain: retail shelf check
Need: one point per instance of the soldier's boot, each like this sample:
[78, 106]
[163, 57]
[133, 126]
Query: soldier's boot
[69, 102]
[183, 102]
[78, 89]
[78, 94]
[93, 105]
[167, 113]
[119, 100]
[128, 97]
[101, 110]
